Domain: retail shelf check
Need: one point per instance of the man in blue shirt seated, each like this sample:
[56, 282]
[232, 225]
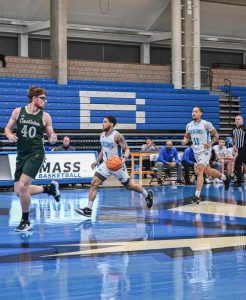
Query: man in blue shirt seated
[188, 161]
[165, 159]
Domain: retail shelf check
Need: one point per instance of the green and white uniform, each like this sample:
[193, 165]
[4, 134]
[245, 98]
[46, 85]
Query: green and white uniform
[30, 149]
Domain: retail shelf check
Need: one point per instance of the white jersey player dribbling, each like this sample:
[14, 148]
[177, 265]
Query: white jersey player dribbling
[200, 136]
[109, 148]
[199, 132]
[113, 143]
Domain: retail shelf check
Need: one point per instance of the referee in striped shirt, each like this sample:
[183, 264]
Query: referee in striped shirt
[239, 143]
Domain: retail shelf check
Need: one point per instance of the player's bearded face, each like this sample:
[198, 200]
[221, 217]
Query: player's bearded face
[40, 101]
[106, 125]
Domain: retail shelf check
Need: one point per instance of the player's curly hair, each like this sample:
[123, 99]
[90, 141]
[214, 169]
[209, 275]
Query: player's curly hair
[199, 107]
[111, 119]
[35, 91]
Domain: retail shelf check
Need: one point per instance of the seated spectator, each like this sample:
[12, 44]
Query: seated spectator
[188, 161]
[65, 146]
[223, 157]
[165, 159]
[148, 146]
[233, 153]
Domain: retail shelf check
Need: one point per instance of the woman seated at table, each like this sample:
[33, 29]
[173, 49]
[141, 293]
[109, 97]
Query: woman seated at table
[147, 147]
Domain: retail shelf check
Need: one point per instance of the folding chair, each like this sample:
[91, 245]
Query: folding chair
[166, 175]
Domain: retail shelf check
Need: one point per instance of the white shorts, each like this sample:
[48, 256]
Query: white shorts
[104, 173]
[203, 157]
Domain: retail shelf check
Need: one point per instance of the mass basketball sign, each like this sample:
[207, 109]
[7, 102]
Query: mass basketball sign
[63, 165]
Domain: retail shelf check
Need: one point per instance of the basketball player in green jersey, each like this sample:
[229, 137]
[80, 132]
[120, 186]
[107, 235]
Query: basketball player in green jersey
[31, 122]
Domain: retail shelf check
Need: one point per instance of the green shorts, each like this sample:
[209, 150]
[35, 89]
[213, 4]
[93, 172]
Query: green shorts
[29, 164]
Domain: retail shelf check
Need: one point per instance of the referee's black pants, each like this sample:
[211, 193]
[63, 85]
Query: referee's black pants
[240, 159]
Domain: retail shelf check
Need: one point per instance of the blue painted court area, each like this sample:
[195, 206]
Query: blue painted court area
[176, 250]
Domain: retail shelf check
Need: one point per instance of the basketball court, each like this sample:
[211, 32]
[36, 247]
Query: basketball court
[175, 250]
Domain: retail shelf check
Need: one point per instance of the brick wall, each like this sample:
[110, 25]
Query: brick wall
[118, 71]
[87, 70]
[91, 70]
[237, 77]
[26, 67]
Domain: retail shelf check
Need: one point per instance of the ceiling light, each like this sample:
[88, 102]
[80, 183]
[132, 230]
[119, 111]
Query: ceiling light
[146, 33]
[213, 39]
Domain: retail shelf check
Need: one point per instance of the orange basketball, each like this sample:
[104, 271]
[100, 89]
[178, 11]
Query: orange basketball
[114, 163]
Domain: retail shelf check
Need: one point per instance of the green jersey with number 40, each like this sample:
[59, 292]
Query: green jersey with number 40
[30, 130]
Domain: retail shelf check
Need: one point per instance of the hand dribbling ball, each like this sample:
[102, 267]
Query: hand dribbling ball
[114, 163]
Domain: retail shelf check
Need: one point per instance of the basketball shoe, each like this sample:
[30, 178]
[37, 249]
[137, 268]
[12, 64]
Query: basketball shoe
[149, 199]
[227, 182]
[53, 190]
[195, 199]
[23, 226]
[86, 211]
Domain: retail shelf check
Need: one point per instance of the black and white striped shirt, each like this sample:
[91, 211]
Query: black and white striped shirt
[239, 136]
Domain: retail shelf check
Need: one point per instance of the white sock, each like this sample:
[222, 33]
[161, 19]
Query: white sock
[197, 193]
[145, 193]
[90, 204]
[223, 177]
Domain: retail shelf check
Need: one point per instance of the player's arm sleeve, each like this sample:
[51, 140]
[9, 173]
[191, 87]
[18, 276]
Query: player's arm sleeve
[209, 126]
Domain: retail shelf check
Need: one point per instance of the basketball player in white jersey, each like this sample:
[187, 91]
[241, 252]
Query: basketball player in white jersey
[199, 132]
[113, 143]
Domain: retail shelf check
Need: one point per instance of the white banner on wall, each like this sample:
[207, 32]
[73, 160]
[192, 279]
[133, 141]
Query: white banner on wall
[62, 165]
